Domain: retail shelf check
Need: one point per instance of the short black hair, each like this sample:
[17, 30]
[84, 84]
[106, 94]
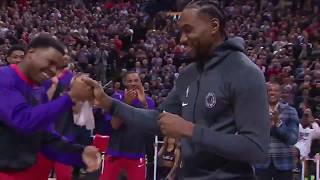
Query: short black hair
[46, 41]
[212, 9]
[129, 72]
[275, 83]
[124, 78]
[16, 47]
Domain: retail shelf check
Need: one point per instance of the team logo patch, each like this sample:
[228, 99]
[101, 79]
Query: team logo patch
[210, 100]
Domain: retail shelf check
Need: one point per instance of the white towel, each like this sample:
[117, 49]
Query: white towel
[85, 116]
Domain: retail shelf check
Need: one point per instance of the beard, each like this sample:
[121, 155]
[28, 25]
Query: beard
[195, 55]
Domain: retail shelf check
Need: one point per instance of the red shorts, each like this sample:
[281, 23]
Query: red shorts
[40, 171]
[134, 169]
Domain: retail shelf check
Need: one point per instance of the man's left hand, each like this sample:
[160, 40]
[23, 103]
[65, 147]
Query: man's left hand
[91, 158]
[275, 118]
[142, 96]
[175, 126]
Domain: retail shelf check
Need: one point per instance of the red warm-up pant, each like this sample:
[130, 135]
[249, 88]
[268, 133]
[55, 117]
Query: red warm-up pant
[63, 172]
[134, 169]
[39, 171]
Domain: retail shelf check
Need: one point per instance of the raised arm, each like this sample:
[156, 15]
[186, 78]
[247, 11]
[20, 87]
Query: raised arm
[145, 118]
[17, 112]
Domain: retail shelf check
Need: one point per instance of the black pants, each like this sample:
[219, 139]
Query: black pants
[272, 172]
[163, 172]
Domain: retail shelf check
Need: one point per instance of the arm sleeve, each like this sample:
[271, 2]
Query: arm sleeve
[151, 104]
[316, 134]
[250, 107]
[145, 118]
[288, 131]
[59, 148]
[172, 103]
[18, 114]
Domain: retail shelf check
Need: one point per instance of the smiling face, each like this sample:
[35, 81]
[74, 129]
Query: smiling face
[66, 58]
[273, 93]
[15, 57]
[133, 81]
[43, 63]
[198, 32]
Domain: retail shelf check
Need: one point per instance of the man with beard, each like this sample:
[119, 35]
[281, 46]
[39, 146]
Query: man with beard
[218, 107]
[127, 146]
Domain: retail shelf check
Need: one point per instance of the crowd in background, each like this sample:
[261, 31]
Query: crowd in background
[107, 39]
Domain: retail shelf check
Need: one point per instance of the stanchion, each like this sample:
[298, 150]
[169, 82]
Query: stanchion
[317, 165]
[155, 162]
[101, 142]
[316, 159]
[302, 169]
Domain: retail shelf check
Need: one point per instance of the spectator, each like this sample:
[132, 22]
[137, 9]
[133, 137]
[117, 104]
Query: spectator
[170, 159]
[127, 147]
[15, 54]
[101, 63]
[284, 134]
[279, 37]
[308, 131]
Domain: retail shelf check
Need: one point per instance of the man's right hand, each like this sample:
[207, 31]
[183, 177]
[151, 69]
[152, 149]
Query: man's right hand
[80, 91]
[55, 80]
[130, 95]
[101, 99]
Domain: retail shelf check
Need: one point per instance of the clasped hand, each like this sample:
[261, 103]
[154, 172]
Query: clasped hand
[91, 158]
[83, 88]
[93, 92]
[170, 124]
